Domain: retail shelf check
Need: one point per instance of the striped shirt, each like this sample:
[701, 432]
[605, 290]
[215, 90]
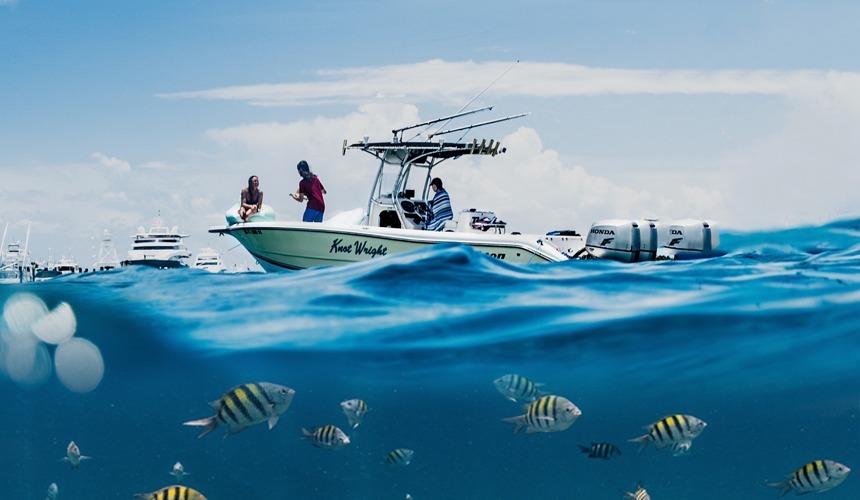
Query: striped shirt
[441, 207]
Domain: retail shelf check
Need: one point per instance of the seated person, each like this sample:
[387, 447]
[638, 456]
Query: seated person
[440, 207]
[251, 199]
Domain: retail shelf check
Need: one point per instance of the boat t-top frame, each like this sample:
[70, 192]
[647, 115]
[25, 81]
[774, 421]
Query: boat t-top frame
[392, 201]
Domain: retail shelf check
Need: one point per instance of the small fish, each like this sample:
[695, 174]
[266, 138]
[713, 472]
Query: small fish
[179, 472]
[603, 451]
[547, 414]
[639, 494]
[172, 493]
[355, 410]
[400, 456]
[681, 448]
[246, 405]
[327, 437]
[670, 430]
[73, 455]
[818, 475]
[518, 388]
[53, 492]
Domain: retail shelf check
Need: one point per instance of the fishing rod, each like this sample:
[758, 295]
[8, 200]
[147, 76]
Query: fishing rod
[458, 114]
[476, 125]
[480, 94]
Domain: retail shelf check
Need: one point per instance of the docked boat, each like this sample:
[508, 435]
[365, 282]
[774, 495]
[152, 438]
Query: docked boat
[159, 247]
[15, 265]
[208, 259]
[107, 258]
[399, 205]
[56, 269]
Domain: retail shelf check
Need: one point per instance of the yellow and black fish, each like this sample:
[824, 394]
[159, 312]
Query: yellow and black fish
[400, 456]
[328, 437]
[172, 493]
[355, 410]
[639, 494]
[246, 405]
[547, 414]
[818, 475]
[518, 388]
[671, 430]
[603, 451]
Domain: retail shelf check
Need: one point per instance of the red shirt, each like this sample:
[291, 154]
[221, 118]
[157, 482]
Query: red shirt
[313, 190]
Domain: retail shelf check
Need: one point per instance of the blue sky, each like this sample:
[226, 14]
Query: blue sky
[743, 112]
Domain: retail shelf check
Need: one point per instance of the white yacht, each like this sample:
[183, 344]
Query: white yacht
[398, 207]
[15, 265]
[159, 247]
[53, 269]
[108, 258]
[210, 260]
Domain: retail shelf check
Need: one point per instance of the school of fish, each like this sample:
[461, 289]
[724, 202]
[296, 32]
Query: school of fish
[253, 403]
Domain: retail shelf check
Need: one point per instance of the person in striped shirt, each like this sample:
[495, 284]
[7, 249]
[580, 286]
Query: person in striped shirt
[440, 207]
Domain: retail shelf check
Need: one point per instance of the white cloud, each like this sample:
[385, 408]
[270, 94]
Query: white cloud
[114, 164]
[420, 82]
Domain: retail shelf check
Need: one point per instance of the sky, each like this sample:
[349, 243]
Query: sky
[743, 112]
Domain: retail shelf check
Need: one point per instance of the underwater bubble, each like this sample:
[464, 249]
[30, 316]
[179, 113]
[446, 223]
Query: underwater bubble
[28, 363]
[57, 326]
[79, 365]
[21, 311]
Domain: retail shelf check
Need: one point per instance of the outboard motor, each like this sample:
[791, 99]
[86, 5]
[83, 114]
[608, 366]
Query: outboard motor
[614, 239]
[647, 240]
[690, 235]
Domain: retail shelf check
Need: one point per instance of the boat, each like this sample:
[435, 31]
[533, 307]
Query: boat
[68, 265]
[54, 270]
[107, 258]
[158, 247]
[210, 260]
[397, 212]
[15, 265]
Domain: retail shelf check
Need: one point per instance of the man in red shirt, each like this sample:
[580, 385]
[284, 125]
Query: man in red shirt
[311, 189]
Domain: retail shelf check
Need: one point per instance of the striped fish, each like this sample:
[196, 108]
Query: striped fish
[53, 492]
[246, 405]
[327, 437]
[355, 410]
[172, 493]
[671, 430]
[400, 456]
[603, 451]
[547, 414]
[518, 388]
[639, 494]
[818, 475]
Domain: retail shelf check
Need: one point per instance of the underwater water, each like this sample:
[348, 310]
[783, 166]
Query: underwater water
[762, 343]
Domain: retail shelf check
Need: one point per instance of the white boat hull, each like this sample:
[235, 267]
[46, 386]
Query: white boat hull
[279, 246]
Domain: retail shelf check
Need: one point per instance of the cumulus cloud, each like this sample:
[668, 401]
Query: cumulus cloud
[115, 164]
[418, 83]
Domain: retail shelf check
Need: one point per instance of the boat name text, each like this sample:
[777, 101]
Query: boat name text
[357, 248]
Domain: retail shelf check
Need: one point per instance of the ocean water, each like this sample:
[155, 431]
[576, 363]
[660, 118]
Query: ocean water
[762, 343]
